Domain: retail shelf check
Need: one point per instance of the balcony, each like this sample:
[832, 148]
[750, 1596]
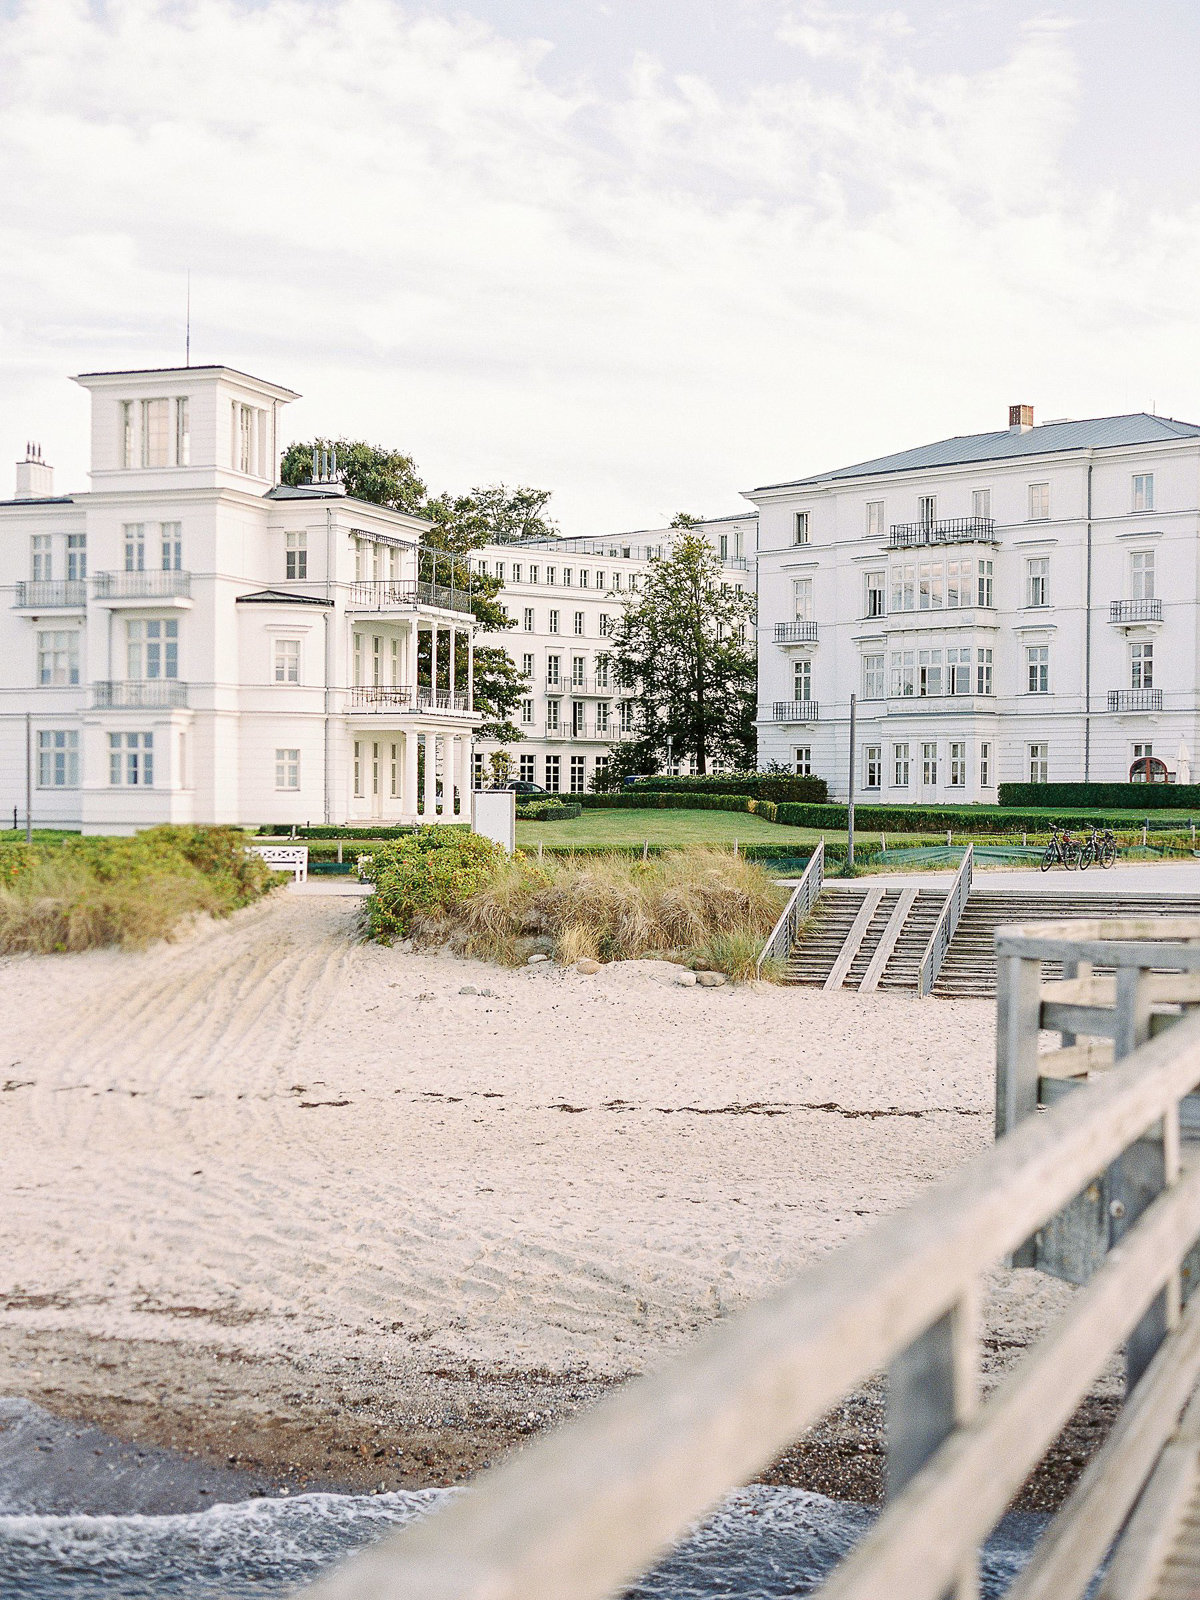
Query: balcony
[404, 594]
[402, 697]
[950, 530]
[1135, 611]
[795, 711]
[143, 585]
[1135, 699]
[140, 694]
[49, 594]
[795, 632]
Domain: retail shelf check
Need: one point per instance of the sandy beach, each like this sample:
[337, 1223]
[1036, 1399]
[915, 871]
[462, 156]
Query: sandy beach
[300, 1206]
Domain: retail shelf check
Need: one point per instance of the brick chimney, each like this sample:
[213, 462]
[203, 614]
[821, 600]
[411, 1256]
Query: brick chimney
[1020, 417]
[35, 479]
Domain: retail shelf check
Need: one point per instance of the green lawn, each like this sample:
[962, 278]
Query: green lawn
[662, 827]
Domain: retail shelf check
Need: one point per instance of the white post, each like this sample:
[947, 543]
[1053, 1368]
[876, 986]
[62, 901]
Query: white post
[471, 669]
[430, 785]
[409, 802]
[453, 661]
[464, 773]
[433, 636]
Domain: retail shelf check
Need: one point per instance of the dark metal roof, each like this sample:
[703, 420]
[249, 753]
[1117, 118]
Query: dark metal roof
[278, 597]
[41, 500]
[1049, 438]
[308, 491]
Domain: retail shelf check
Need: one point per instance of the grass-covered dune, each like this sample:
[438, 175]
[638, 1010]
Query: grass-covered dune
[74, 893]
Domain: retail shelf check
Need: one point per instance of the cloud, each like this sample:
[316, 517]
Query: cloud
[644, 296]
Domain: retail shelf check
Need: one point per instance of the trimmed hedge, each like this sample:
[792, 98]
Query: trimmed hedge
[639, 800]
[961, 820]
[1118, 796]
[758, 785]
[345, 830]
[550, 811]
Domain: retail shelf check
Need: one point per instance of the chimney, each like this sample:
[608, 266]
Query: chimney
[35, 479]
[1020, 417]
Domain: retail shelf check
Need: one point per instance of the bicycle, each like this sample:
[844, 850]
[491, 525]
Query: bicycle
[1100, 847]
[1062, 848]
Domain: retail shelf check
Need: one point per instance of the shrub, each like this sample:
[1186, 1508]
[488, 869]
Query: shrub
[758, 785]
[550, 811]
[1116, 796]
[432, 871]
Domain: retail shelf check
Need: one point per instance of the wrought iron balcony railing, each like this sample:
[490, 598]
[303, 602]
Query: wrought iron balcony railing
[1135, 611]
[795, 711]
[139, 694]
[403, 697]
[795, 632]
[152, 585]
[44, 594]
[950, 530]
[441, 699]
[399, 594]
[1135, 699]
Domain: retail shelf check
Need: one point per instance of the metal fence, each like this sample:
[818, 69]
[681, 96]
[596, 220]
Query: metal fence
[801, 901]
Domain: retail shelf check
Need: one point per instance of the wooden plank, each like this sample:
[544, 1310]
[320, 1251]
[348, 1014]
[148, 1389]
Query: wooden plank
[1073, 1546]
[883, 950]
[1076, 1060]
[1092, 1021]
[1152, 942]
[585, 1509]
[858, 930]
[1145, 1545]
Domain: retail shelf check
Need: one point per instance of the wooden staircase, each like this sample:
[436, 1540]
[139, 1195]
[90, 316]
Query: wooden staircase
[864, 937]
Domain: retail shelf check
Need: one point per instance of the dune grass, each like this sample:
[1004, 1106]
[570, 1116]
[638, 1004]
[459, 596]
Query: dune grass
[80, 894]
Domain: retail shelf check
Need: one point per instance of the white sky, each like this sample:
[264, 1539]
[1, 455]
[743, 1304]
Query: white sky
[645, 253]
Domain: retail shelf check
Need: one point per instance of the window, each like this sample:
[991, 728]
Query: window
[983, 672]
[155, 433]
[131, 760]
[126, 433]
[577, 725]
[287, 661]
[1142, 667]
[58, 758]
[802, 599]
[873, 583]
[926, 509]
[183, 434]
[1142, 751]
[583, 578]
[602, 717]
[171, 535]
[525, 768]
[802, 679]
[528, 619]
[958, 764]
[358, 769]
[550, 576]
[578, 774]
[358, 660]
[516, 577]
[985, 765]
[872, 766]
[626, 716]
[376, 661]
[930, 586]
[606, 625]
[568, 577]
[929, 672]
[1037, 668]
[578, 667]
[153, 648]
[601, 764]
[904, 673]
[1039, 502]
[553, 771]
[929, 763]
[874, 519]
[1143, 491]
[802, 760]
[287, 769]
[76, 556]
[297, 554]
[617, 582]
[58, 657]
[554, 622]
[533, 574]
[553, 668]
[603, 670]
[551, 716]
[904, 587]
[600, 580]
[960, 587]
[527, 664]
[135, 547]
[526, 710]
[981, 503]
[1037, 581]
[984, 584]
[1039, 763]
[41, 557]
[958, 670]
[800, 527]
[579, 624]
[1141, 574]
[900, 766]
[243, 417]
[500, 571]
[872, 677]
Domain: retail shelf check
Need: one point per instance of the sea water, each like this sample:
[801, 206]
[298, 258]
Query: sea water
[763, 1544]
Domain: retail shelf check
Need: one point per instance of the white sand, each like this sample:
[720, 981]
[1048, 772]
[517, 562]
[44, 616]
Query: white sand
[524, 1181]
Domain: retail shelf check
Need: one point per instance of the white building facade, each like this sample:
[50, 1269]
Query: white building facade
[565, 596]
[1007, 607]
[190, 641]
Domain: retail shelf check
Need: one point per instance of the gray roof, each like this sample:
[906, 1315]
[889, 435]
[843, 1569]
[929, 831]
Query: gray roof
[277, 597]
[1096, 433]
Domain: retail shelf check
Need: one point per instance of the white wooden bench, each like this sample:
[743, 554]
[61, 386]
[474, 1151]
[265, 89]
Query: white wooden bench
[291, 858]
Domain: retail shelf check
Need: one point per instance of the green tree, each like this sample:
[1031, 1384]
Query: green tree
[369, 472]
[684, 646]
[685, 519]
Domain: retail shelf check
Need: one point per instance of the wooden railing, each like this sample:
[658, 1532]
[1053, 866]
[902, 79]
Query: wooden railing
[943, 929]
[801, 901]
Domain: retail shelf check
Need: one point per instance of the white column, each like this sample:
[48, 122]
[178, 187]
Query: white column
[408, 802]
[471, 670]
[453, 680]
[430, 777]
[464, 774]
[433, 653]
[410, 663]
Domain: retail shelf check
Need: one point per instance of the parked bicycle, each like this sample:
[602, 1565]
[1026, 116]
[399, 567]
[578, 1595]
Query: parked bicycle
[1062, 849]
[1100, 846]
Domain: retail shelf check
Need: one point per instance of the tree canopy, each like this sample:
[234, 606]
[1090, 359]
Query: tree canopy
[684, 645]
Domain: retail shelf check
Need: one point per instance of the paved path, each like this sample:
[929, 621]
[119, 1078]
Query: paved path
[1133, 877]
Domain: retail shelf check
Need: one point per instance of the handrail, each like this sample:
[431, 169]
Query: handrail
[800, 903]
[584, 1510]
[947, 922]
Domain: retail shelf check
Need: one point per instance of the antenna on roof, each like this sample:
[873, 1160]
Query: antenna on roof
[187, 356]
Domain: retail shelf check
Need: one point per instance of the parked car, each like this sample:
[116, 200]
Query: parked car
[521, 786]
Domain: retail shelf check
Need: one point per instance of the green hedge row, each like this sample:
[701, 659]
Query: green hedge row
[639, 800]
[758, 785]
[1137, 797]
[550, 811]
[283, 830]
[962, 819]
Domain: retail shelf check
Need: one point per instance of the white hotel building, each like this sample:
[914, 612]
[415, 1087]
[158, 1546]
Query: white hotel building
[190, 641]
[1008, 607]
[565, 596]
